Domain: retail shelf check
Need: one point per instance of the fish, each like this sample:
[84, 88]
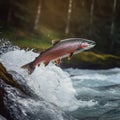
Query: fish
[59, 50]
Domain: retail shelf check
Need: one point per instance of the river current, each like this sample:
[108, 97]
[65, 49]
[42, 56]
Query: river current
[84, 94]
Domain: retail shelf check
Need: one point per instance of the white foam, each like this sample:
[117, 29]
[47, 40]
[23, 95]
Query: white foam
[51, 82]
[97, 77]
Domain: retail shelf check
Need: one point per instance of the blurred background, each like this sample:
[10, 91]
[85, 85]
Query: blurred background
[34, 23]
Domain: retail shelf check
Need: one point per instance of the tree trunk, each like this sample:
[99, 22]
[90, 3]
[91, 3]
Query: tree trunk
[9, 15]
[113, 24]
[83, 3]
[67, 29]
[37, 17]
[91, 16]
[113, 17]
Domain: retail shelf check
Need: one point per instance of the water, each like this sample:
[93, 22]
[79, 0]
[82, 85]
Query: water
[100, 86]
[85, 94]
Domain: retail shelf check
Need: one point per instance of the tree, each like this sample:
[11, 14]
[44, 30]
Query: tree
[9, 12]
[37, 18]
[83, 3]
[113, 17]
[91, 16]
[67, 29]
[113, 24]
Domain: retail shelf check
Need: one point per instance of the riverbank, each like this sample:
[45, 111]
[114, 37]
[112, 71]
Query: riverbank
[92, 60]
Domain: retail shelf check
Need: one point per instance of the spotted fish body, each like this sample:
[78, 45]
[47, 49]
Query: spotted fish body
[60, 49]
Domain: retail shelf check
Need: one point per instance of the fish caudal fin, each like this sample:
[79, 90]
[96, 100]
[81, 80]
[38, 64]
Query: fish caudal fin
[29, 67]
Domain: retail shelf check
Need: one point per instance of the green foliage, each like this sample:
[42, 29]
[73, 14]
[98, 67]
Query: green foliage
[20, 16]
[38, 40]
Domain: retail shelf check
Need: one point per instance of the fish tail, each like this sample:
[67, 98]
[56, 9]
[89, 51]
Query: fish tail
[29, 67]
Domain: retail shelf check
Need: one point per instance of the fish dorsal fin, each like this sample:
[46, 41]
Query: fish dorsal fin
[70, 56]
[57, 62]
[54, 42]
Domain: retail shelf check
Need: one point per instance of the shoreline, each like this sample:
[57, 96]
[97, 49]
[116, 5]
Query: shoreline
[91, 60]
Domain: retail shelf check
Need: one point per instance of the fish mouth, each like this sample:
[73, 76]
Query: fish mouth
[90, 43]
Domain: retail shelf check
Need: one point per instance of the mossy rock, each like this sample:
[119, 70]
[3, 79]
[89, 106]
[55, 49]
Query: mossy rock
[91, 60]
[7, 78]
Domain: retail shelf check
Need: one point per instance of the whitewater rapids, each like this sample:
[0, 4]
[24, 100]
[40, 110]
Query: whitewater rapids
[51, 82]
[77, 91]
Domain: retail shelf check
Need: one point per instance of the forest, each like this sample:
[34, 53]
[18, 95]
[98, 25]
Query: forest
[45, 20]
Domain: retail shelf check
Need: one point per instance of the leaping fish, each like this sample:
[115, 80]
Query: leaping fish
[60, 49]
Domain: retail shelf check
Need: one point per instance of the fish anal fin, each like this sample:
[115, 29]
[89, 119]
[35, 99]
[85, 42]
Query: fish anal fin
[46, 63]
[57, 62]
[70, 56]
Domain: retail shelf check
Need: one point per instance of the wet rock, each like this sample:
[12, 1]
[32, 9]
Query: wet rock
[5, 76]
[2, 118]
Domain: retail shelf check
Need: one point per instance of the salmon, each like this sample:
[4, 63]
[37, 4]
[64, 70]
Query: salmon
[60, 49]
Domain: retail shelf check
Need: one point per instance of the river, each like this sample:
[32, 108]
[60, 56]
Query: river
[84, 94]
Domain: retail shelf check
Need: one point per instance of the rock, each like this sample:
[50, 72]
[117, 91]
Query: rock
[4, 75]
[8, 79]
[2, 118]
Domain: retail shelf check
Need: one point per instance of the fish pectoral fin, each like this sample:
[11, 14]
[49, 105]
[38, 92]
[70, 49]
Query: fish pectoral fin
[70, 56]
[57, 62]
